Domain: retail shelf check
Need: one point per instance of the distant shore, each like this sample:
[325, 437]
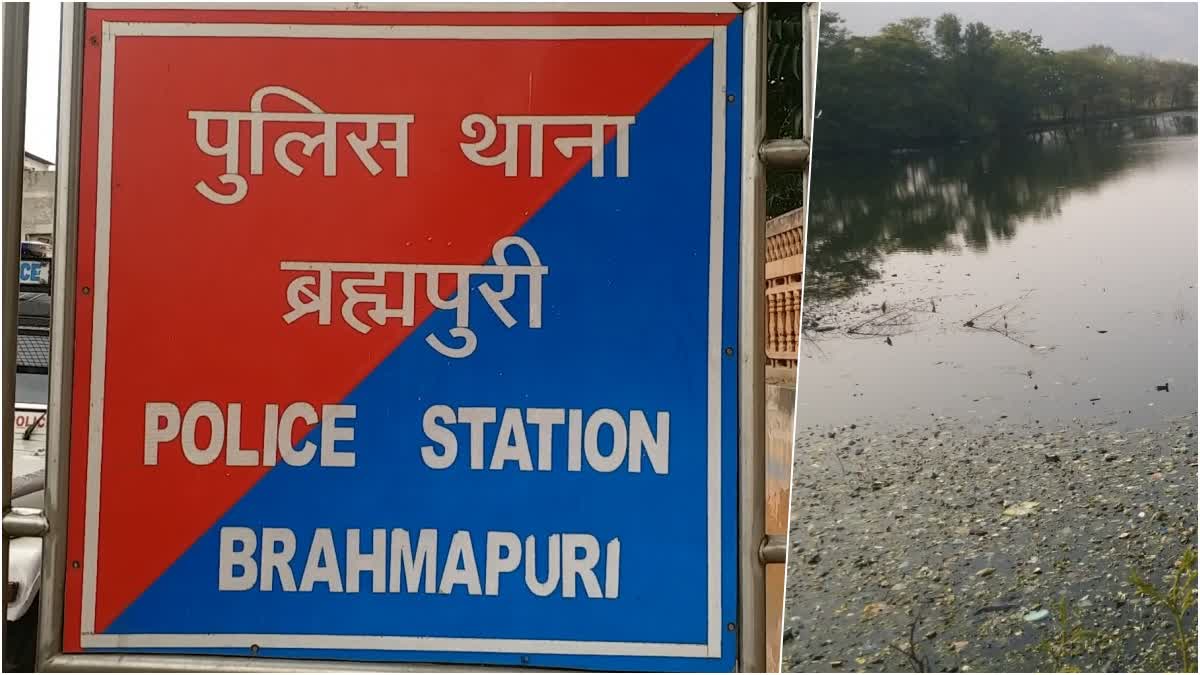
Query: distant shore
[1048, 125]
[940, 142]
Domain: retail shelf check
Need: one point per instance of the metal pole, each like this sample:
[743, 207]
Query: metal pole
[812, 37]
[752, 463]
[15, 56]
[62, 333]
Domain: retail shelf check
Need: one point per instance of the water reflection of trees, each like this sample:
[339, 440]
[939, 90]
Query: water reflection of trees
[968, 196]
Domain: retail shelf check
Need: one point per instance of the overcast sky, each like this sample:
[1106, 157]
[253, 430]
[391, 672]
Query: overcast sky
[1164, 30]
[41, 102]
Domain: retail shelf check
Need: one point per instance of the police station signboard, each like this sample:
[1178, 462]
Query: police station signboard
[408, 335]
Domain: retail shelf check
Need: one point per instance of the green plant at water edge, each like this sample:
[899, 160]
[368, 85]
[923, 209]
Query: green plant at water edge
[1177, 599]
[1070, 641]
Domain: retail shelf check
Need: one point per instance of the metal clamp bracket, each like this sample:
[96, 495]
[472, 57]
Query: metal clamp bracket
[25, 523]
[785, 153]
[773, 549]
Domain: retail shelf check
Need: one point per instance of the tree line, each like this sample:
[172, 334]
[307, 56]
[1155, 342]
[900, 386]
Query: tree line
[923, 81]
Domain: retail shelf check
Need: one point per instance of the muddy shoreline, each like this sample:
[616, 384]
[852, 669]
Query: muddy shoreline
[960, 535]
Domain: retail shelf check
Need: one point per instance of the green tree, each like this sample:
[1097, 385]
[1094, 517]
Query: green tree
[913, 29]
[1180, 82]
[1021, 75]
[978, 67]
[948, 31]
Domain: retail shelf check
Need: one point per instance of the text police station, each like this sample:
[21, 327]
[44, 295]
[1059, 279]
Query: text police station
[253, 559]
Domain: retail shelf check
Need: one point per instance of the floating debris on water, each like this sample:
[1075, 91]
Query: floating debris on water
[1038, 615]
[979, 535]
[1024, 508]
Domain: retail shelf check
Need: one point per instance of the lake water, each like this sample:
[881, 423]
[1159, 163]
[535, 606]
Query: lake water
[1045, 278]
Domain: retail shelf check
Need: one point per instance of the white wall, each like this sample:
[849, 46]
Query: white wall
[37, 210]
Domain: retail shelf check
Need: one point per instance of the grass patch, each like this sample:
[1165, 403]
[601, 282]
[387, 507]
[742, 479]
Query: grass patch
[1177, 598]
[1070, 641]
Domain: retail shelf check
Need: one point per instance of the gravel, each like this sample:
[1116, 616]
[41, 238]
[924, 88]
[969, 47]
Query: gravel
[949, 546]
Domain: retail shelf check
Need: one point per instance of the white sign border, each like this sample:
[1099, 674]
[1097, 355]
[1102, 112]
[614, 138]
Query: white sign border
[488, 6]
[110, 32]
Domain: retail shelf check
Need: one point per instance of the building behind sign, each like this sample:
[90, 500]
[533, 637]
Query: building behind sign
[37, 209]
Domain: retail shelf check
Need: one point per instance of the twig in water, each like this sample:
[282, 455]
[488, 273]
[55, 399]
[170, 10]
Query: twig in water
[920, 664]
[889, 324]
[998, 324]
[838, 455]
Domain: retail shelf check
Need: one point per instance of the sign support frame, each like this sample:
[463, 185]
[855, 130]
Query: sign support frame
[752, 458]
[62, 323]
[751, 455]
[15, 47]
